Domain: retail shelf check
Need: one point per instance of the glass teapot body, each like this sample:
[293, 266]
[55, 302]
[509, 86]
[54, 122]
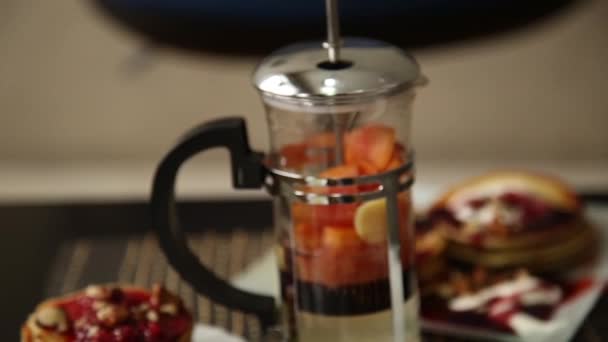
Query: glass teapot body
[340, 180]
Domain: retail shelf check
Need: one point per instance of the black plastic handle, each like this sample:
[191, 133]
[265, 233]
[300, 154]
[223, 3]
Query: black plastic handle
[247, 172]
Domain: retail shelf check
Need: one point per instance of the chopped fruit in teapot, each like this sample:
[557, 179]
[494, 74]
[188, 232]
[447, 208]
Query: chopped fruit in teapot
[343, 259]
[341, 237]
[397, 159]
[370, 147]
[342, 171]
[345, 243]
[322, 140]
[308, 238]
[312, 150]
[320, 216]
[294, 155]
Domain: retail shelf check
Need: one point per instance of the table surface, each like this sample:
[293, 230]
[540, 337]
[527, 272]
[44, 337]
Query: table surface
[54, 249]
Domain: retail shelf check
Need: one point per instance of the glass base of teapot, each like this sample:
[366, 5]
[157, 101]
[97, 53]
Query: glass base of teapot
[370, 327]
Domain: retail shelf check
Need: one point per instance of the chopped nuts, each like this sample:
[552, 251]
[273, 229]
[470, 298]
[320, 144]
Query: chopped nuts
[52, 317]
[460, 283]
[169, 308]
[158, 292]
[152, 316]
[97, 292]
[139, 312]
[111, 315]
[81, 322]
[107, 308]
[112, 294]
[161, 296]
[97, 305]
[92, 331]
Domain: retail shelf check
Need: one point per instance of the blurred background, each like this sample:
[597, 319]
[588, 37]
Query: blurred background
[93, 93]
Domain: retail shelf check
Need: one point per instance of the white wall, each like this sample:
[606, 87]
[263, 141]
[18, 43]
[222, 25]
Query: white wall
[65, 94]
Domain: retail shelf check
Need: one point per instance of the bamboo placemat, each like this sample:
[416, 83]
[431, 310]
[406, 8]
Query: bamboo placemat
[138, 260]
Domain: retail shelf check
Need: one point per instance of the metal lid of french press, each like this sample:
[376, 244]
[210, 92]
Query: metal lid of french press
[336, 71]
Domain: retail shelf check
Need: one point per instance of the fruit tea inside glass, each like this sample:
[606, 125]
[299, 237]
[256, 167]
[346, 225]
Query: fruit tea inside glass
[342, 176]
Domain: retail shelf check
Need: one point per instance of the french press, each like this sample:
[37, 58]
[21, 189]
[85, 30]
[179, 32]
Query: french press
[340, 169]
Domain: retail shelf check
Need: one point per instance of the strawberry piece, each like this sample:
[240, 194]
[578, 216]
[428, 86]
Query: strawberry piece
[370, 147]
[344, 264]
[396, 161]
[341, 237]
[294, 155]
[341, 171]
[322, 140]
[307, 237]
[320, 216]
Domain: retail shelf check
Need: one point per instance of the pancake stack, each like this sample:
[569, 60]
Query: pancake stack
[513, 219]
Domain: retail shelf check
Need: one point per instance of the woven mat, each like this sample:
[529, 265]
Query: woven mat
[138, 260]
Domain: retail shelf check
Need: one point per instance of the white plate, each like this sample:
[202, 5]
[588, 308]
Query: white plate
[262, 277]
[206, 333]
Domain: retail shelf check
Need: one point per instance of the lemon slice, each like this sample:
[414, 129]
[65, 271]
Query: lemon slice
[371, 222]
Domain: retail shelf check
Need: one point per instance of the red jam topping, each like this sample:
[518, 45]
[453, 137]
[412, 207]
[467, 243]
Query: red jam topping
[505, 214]
[488, 301]
[106, 314]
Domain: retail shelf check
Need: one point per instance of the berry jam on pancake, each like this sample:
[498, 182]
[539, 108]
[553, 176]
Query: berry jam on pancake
[498, 300]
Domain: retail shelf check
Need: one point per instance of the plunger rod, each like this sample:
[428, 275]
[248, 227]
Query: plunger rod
[333, 30]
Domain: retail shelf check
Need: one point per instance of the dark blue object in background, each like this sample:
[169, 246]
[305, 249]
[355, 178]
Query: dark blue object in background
[258, 26]
[290, 11]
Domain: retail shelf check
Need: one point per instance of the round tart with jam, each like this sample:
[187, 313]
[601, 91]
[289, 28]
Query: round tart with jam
[110, 313]
[513, 218]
